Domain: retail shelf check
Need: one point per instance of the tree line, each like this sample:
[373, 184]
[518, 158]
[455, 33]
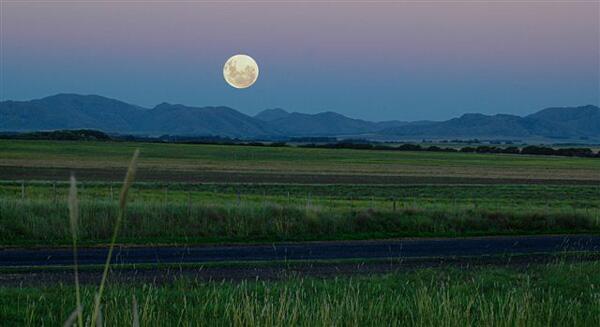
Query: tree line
[93, 135]
[527, 150]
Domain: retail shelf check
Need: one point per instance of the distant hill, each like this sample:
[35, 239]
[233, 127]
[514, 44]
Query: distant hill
[73, 111]
[468, 125]
[568, 122]
[321, 124]
[181, 120]
[272, 114]
[553, 123]
[69, 111]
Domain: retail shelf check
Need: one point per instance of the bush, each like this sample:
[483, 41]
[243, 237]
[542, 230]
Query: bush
[409, 147]
[533, 149]
[511, 150]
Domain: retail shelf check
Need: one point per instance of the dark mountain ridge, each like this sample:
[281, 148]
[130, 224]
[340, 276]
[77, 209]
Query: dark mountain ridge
[321, 124]
[72, 111]
[69, 111]
[183, 120]
[552, 123]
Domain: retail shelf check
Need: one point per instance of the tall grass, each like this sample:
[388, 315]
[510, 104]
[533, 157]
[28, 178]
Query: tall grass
[73, 218]
[550, 295]
[198, 213]
[129, 177]
[73, 204]
[42, 222]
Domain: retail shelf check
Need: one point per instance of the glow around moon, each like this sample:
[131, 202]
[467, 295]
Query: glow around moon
[240, 71]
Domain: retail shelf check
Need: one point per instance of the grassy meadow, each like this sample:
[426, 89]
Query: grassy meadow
[557, 294]
[164, 161]
[174, 204]
[34, 213]
[33, 209]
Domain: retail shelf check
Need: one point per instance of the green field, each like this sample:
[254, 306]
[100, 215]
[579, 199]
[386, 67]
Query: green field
[558, 294]
[170, 209]
[198, 194]
[36, 213]
[166, 161]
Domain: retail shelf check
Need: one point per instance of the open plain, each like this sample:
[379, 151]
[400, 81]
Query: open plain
[333, 229]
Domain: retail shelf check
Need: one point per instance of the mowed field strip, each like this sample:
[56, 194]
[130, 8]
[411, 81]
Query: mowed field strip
[42, 160]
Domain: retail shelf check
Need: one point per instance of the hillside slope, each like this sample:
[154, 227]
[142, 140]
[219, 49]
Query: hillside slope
[72, 111]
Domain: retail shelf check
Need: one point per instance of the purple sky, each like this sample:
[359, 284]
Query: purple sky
[377, 60]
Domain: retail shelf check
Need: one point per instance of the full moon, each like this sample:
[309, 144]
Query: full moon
[240, 71]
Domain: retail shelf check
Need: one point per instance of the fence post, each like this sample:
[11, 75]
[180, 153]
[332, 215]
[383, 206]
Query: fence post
[189, 203]
[54, 192]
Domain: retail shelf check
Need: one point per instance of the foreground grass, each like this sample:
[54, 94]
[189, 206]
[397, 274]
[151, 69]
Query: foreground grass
[557, 294]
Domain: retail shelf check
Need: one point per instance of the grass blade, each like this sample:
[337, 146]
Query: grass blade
[76, 314]
[129, 177]
[74, 218]
[135, 313]
[99, 318]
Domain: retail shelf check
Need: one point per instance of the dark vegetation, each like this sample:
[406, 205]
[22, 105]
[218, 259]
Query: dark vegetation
[315, 142]
[62, 135]
[530, 150]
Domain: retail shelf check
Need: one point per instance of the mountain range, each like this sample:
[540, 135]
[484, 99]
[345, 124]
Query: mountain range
[72, 111]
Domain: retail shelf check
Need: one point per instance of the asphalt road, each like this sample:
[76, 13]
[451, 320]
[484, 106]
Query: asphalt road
[402, 248]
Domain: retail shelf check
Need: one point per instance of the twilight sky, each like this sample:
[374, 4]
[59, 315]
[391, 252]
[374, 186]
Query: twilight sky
[375, 60]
